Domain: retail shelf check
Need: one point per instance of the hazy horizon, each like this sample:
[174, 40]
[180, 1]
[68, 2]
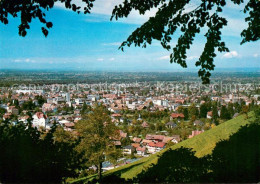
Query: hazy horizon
[90, 42]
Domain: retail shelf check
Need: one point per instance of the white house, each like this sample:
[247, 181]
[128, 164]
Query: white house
[141, 151]
[128, 150]
[40, 120]
[79, 101]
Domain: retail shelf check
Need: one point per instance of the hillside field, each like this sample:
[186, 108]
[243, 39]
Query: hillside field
[202, 144]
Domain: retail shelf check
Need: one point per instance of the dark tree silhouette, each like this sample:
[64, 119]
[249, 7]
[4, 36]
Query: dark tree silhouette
[29, 156]
[237, 160]
[171, 16]
[173, 166]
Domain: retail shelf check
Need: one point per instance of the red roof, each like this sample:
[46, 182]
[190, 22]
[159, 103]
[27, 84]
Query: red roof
[136, 139]
[69, 124]
[177, 115]
[140, 149]
[210, 113]
[152, 144]
[122, 134]
[160, 144]
[135, 145]
[145, 125]
[116, 115]
[155, 137]
[40, 115]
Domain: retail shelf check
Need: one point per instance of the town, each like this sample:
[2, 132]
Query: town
[149, 116]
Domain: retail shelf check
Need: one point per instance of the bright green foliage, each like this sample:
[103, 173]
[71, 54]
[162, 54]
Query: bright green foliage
[193, 110]
[97, 134]
[202, 144]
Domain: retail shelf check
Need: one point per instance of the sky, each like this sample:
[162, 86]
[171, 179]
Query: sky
[90, 42]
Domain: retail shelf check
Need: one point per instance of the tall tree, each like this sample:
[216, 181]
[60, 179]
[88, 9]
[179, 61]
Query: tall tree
[186, 113]
[224, 114]
[214, 112]
[203, 110]
[172, 15]
[231, 109]
[97, 133]
[193, 110]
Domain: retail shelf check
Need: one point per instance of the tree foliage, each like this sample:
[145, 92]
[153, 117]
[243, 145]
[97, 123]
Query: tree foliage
[172, 15]
[31, 156]
[97, 133]
[234, 160]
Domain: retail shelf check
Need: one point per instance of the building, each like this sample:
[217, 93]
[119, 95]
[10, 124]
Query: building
[177, 116]
[128, 150]
[195, 132]
[67, 97]
[40, 120]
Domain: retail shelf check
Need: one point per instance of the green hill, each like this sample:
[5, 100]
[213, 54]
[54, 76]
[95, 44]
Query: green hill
[202, 144]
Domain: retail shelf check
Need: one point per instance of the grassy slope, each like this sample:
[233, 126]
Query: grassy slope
[203, 144]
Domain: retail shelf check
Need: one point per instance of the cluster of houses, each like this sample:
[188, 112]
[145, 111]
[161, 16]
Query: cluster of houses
[65, 107]
[150, 145]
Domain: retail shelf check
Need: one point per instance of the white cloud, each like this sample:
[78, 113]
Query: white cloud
[231, 54]
[112, 44]
[105, 7]
[112, 59]
[17, 61]
[27, 60]
[100, 59]
[165, 57]
[102, 11]
[192, 57]
[256, 55]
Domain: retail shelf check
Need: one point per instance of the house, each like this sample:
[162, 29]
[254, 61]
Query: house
[79, 101]
[145, 125]
[171, 125]
[198, 123]
[40, 120]
[167, 139]
[145, 142]
[24, 119]
[177, 116]
[116, 116]
[195, 132]
[141, 151]
[122, 134]
[69, 126]
[7, 116]
[209, 115]
[13, 110]
[117, 143]
[159, 146]
[180, 101]
[155, 138]
[135, 145]
[49, 107]
[175, 139]
[128, 150]
[137, 140]
[153, 147]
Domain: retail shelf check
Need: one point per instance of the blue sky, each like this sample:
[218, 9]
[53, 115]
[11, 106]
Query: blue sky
[90, 42]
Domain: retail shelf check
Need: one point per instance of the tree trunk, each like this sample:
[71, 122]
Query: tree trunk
[100, 171]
